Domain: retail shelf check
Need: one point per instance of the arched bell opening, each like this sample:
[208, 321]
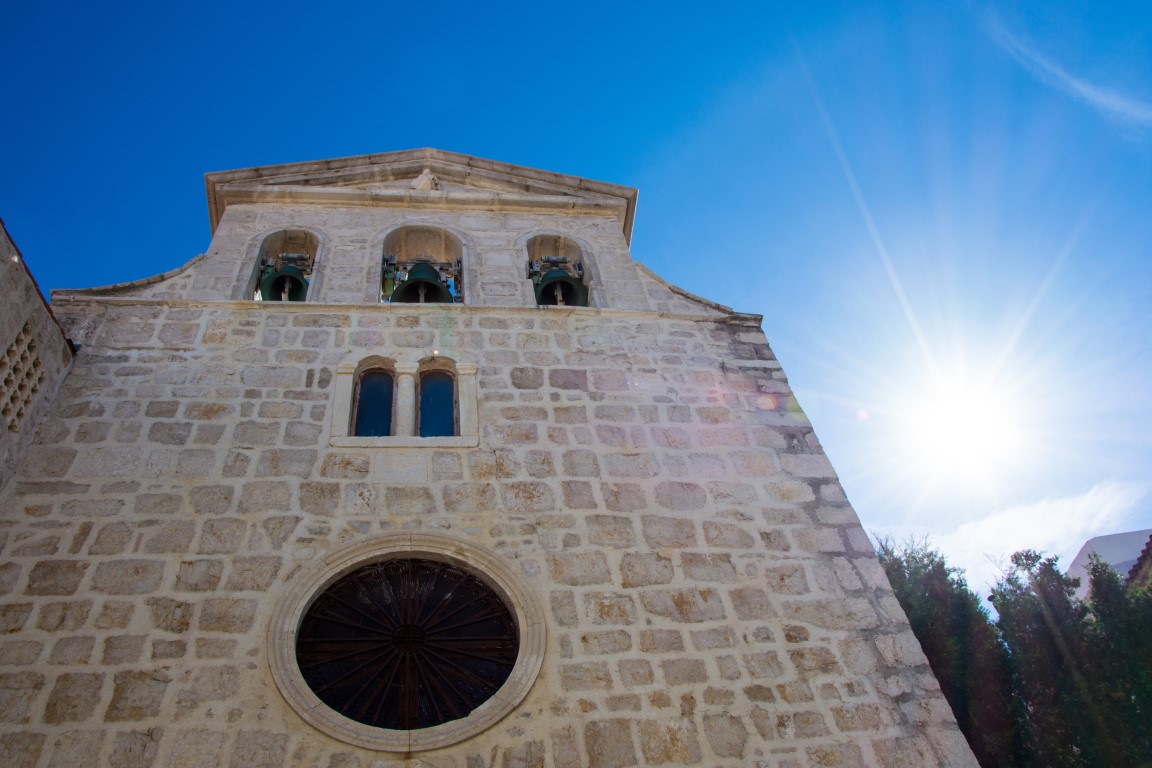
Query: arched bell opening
[556, 269]
[285, 266]
[422, 265]
[558, 288]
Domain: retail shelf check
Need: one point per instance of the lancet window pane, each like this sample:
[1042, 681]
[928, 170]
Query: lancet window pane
[437, 405]
[374, 404]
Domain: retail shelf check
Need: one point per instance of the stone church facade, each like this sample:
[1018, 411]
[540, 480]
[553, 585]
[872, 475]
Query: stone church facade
[416, 467]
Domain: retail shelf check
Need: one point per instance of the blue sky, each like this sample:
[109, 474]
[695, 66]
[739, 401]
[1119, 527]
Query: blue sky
[942, 209]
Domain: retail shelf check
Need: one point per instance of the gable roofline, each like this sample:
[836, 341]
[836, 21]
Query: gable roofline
[530, 187]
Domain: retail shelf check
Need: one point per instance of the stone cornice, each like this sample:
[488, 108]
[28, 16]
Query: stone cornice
[492, 181]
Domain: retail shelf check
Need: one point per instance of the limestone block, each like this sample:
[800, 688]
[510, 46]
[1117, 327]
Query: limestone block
[641, 569]
[17, 691]
[683, 671]
[252, 573]
[608, 744]
[680, 496]
[726, 734]
[136, 749]
[55, 577]
[259, 749]
[61, 617]
[217, 683]
[684, 605]
[74, 748]
[198, 575]
[623, 497]
[669, 532]
[19, 653]
[197, 748]
[599, 643]
[610, 608]
[728, 535]
[674, 743]
[170, 615]
[122, 649]
[225, 614]
[74, 697]
[128, 577]
[710, 568]
[661, 641]
[21, 750]
[610, 531]
[586, 676]
[137, 695]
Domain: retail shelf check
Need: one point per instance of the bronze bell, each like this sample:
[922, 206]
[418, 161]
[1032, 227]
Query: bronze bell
[557, 287]
[285, 284]
[422, 286]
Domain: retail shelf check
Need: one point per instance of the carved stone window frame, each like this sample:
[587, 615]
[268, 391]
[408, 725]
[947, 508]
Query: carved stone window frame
[404, 363]
[311, 582]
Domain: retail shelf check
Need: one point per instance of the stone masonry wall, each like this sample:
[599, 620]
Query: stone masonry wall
[712, 597]
[34, 357]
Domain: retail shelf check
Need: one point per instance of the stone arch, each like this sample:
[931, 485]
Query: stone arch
[272, 243]
[579, 263]
[417, 246]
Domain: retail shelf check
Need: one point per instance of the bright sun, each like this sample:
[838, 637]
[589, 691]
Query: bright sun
[963, 433]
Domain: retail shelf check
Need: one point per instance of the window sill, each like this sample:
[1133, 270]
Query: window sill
[459, 441]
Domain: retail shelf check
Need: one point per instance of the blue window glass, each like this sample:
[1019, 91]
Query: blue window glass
[374, 404]
[437, 405]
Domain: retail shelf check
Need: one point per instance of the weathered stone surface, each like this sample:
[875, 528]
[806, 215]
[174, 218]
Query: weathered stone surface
[17, 691]
[610, 531]
[641, 569]
[20, 750]
[579, 568]
[74, 697]
[589, 675]
[225, 614]
[259, 749]
[609, 744]
[684, 605]
[252, 573]
[136, 695]
[669, 743]
[128, 577]
[609, 608]
[136, 749]
[170, 615]
[199, 575]
[74, 748]
[197, 748]
[210, 684]
[727, 735]
[683, 671]
[55, 577]
[669, 532]
[62, 617]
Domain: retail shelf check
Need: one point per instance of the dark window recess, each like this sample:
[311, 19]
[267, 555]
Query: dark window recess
[374, 404]
[407, 644]
[437, 404]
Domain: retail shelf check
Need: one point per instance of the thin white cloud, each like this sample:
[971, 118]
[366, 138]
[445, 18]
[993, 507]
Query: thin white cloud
[1054, 526]
[1112, 103]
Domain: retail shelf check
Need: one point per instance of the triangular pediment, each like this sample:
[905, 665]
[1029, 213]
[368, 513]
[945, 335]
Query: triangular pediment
[418, 178]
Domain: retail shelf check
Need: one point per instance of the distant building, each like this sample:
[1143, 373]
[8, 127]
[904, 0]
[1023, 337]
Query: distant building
[1140, 574]
[417, 467]
[1119, 550]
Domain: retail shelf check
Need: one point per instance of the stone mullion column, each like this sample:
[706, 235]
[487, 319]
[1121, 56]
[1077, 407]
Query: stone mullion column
[406, 400]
